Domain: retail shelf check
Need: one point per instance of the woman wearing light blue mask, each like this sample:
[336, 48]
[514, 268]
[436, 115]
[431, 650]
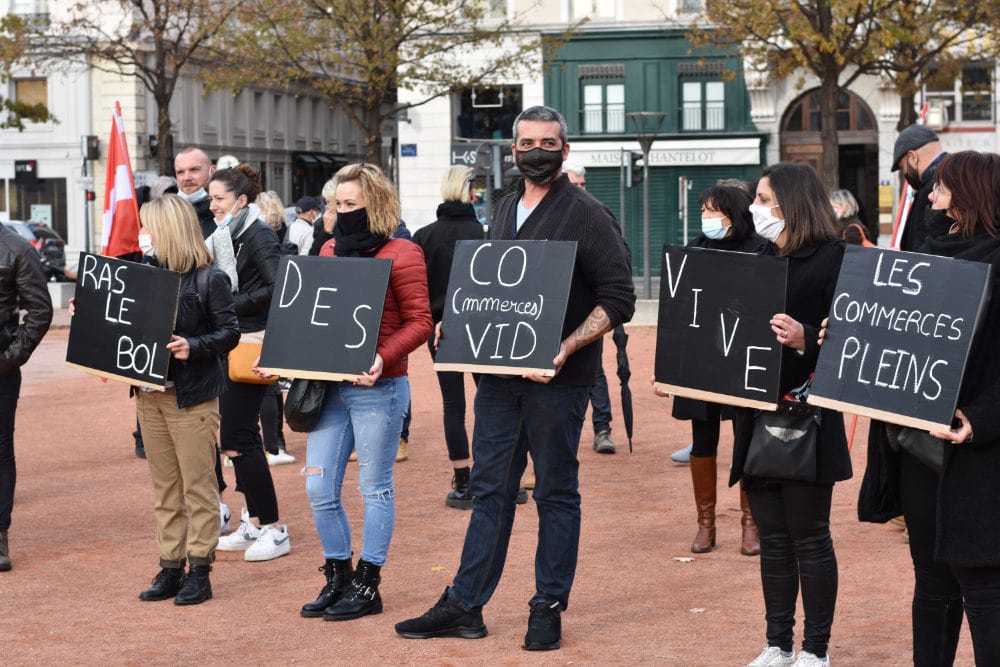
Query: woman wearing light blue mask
[725, 225]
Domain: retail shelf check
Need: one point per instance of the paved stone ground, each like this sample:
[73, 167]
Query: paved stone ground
[83, 547]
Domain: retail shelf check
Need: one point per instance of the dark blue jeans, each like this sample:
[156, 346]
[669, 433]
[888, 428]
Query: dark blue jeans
[600, 403]
[10, 389]
[513, 417]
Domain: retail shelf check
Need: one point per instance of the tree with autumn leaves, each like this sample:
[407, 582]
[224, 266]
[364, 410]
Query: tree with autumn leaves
[838, 41]
[359, 53]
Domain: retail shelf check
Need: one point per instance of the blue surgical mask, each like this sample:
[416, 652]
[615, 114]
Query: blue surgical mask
[195, 196]
[228, 218]
[712, 228]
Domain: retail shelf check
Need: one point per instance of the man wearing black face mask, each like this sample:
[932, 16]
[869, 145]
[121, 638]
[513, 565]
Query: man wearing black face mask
[917, 153]
[533, 413]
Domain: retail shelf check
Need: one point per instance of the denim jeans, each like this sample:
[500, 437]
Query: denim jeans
[796, 549]
[10, 389]
[513, 417]
[368, 419]
[600, 403]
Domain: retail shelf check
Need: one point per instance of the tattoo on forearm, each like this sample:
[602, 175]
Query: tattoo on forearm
[596, 325]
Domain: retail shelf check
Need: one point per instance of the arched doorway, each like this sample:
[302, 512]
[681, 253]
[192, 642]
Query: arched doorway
[857, 136]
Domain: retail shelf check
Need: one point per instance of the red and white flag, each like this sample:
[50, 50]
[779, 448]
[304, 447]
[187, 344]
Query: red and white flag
[120, 234]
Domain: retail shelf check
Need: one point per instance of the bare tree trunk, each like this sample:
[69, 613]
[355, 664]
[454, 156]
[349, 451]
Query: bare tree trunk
[164, 153]
[907, 110]
[830, 171]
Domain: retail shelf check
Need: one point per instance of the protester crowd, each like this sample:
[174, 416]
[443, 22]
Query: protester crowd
[225, 236]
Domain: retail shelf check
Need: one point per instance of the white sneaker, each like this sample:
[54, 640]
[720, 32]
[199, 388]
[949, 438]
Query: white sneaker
[227, 462]
[224, 516]
[807, 659]
[272, 543]
[773, 656]
[243, 537]
[281, 457]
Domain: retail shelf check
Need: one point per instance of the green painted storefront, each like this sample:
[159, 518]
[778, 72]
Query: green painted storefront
[659, 71]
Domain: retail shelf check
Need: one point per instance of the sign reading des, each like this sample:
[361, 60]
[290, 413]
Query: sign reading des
[124, 318]
[713, 338]
[900, 330]
[505, 306]
[325, 317]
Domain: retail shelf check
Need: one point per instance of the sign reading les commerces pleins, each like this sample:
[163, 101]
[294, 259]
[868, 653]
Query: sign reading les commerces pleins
[325, 316]
[505, 306]
[124, 318]
[900, 330]
[713, 337]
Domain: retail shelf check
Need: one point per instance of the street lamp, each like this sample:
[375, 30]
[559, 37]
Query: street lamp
[647, 125]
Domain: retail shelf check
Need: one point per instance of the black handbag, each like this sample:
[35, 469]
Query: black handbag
[303, 404]
[784, 442]
[919, 444]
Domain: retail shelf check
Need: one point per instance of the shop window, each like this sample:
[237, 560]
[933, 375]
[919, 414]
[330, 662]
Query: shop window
[486, 112]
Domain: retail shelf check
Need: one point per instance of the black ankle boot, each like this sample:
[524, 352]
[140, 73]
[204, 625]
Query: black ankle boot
[361, 597]
[460, 496]
[338, 579]
[165, 584]
[196, 587]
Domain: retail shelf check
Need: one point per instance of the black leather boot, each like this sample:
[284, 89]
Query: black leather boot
[196, 587]
[165, 584]
[361, 597]
[460, 497]
[338, 579]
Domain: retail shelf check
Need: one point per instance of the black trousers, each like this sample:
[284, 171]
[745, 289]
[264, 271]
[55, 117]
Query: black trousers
[796, 550]
[239, 408]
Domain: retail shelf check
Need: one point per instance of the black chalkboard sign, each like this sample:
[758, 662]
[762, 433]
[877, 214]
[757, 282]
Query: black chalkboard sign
[713, 338]
[901, 325]
[505, 306]
[325, 317]
[124, 318]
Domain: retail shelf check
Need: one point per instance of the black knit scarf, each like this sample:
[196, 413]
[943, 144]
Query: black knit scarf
[352, 236]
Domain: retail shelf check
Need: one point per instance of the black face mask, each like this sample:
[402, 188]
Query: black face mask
[352, 222]
[539, 165]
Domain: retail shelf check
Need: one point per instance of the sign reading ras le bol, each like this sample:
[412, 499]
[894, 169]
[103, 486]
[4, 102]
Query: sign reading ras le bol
[505, 306]
[900, 330]
[713, 338]
[124, 319]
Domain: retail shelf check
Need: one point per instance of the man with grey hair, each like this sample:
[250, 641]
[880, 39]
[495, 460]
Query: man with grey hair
[536, 414]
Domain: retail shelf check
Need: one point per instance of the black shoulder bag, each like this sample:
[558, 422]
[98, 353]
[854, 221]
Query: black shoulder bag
[785, 441]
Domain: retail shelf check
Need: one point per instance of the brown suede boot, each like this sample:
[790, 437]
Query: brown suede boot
[750, 543]
[703, 476]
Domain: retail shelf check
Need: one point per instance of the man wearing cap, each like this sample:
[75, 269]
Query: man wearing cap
[300, 232]
[917, 153]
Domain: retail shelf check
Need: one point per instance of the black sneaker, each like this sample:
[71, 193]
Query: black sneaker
[444, 619]
[522, 496]
[544, 627]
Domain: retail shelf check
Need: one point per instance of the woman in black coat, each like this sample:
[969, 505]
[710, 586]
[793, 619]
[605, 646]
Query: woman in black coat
[953, 517]
[792, 210]
[726, 224]
[456, 221]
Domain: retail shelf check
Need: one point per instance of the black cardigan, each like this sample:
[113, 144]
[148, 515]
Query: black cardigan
[602, 273]
[812, 281]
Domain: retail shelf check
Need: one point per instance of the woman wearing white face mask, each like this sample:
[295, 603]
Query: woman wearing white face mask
[725, 225]
[792, 210]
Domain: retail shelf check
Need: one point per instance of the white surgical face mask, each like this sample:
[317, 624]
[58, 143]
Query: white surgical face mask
[712, 228]
[766, 224]
[195, 196]
[146, 245]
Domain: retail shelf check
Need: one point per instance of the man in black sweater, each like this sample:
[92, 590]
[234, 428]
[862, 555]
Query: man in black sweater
[539, 414]
[917, 153]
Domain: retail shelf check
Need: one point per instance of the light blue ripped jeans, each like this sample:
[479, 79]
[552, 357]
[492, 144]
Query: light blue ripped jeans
[368, 419]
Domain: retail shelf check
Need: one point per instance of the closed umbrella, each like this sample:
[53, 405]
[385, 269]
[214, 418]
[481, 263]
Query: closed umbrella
[624, 373]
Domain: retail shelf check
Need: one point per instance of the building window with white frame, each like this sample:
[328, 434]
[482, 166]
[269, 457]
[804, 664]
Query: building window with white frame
[487, 112]
[493, 9]
[593, 9]
[603, 108]
[965, 96]
[31, 91]
[688, 6]
[703, 106]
